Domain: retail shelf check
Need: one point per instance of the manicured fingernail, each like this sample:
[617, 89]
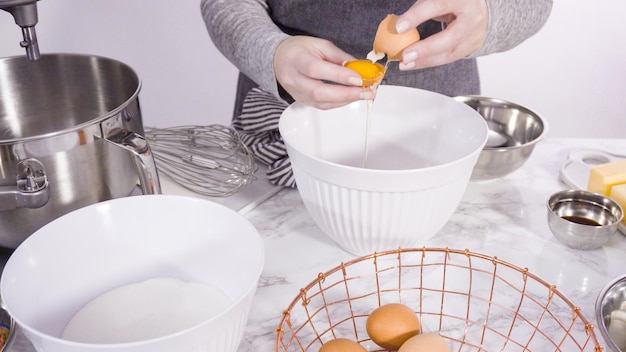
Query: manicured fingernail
[409, 56]
[406, 65]
[402, 26]
[355, 81]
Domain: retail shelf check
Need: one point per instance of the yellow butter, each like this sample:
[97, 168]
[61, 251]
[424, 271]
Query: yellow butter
[604, 176]
[618, 194]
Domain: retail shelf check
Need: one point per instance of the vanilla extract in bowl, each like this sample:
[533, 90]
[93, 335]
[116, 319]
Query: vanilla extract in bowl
[582, 220]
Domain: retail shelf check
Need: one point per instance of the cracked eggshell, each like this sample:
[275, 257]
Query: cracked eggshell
[390, 42]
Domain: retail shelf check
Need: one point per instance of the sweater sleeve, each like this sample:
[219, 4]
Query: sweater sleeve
[512, 22]
[244, 33]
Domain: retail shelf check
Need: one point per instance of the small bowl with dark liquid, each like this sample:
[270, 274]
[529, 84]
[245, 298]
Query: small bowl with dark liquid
[514, 130]
[583, 220]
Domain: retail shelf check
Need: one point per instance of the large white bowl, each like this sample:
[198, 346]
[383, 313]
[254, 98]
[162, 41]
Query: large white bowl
[422, 148]
[87, 252]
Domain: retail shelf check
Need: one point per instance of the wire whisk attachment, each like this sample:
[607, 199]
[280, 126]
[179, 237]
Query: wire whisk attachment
[210, 160]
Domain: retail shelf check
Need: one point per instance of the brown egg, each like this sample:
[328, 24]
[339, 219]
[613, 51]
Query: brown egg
[390, 42]
[425, 343]
[342, 345]
[390, 325]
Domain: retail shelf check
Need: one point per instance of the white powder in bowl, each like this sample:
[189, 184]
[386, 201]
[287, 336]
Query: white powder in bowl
[145, 310]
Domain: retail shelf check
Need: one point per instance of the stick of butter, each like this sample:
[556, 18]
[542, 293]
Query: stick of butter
[604, 176]
[618, 194]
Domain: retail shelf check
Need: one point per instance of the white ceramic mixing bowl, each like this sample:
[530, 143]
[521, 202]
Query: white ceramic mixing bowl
[422, 147]
[90, 251]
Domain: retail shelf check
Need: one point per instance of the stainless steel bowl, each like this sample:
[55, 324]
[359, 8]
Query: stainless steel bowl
[7, 323]
[583, 220]
[513, 132]
[609, 304]
[70, 136]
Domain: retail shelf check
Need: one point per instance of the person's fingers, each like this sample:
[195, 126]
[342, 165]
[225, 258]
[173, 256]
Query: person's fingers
[420, 12]
[327, 96]
[329, 72]
[466, 28]
[311, 71]
[329, 52]
[317, 59]
[445, 47]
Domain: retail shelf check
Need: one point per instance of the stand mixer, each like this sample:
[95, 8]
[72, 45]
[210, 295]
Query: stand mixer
[71, 133]
[25, 14]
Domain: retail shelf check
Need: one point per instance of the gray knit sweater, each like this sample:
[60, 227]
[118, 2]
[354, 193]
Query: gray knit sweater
[247, 32]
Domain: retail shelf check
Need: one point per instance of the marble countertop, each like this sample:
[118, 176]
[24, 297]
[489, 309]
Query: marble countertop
[505, 218]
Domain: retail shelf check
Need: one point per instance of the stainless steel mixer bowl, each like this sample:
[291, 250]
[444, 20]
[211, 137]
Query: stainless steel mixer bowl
[514, 130]
[610, 299]
[70, 136]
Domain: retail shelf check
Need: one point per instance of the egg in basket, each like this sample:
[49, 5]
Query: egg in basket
[475, 302]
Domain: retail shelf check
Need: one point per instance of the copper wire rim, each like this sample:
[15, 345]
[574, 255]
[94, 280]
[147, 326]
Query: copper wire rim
[476, 302]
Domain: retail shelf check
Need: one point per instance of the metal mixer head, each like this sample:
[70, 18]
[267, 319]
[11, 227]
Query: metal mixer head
[25, 14]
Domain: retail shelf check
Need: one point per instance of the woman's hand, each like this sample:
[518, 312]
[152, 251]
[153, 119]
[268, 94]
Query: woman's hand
[466, 29]
[311, 70]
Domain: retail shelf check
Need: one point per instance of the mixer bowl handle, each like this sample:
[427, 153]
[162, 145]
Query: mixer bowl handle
[31, 190]
[144, 160]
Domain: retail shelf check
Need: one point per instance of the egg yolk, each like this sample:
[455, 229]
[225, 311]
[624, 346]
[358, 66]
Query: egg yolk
[370, 72]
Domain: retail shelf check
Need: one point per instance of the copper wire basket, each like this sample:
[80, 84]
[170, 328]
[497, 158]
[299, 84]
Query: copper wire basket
[476, 302]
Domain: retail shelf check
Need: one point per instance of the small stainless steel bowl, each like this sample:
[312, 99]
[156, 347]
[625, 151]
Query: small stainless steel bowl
[7, 322]
[611, 299]
[513, 132]
[583, 220]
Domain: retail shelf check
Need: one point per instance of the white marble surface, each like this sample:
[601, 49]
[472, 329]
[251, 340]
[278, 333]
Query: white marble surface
[505, 218]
